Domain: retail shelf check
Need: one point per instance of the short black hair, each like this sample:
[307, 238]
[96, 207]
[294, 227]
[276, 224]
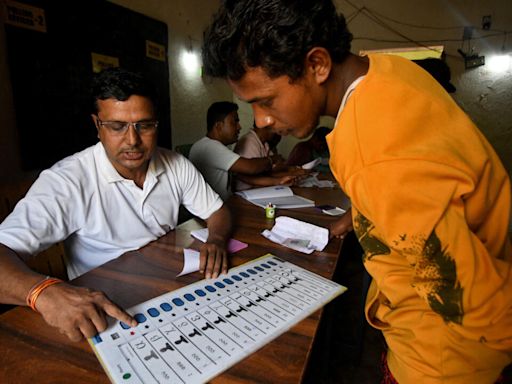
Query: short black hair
[120, 84]
[218, 112]
[439, 70]
[273, 34]
[321, 132]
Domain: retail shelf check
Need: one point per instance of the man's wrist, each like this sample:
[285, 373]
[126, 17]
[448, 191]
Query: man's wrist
[270, 161]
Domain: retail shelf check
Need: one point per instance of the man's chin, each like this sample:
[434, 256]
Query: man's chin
[295, 132]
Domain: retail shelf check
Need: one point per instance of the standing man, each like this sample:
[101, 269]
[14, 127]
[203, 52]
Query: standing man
[430, 198]
[212, 156]
[113, 197]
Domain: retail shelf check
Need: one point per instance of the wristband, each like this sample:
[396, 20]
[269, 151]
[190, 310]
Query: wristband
[36, 290]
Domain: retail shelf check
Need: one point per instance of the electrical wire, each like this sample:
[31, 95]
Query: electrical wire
[374, 16]
[417, 25]
[425, 41]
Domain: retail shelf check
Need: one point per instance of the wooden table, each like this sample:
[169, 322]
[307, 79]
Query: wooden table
[33, 352]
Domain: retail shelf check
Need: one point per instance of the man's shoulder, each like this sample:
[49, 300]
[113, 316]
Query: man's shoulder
[206, 147]
[78, 161]
[245, 140]
[302, 146]
[69, 174]
[170, 158]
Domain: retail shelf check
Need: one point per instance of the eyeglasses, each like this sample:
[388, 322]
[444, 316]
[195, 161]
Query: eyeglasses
[119, 128]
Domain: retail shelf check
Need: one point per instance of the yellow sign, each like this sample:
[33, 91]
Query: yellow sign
[24, 16]
[101, 62]
[155, 51]
[414, 53]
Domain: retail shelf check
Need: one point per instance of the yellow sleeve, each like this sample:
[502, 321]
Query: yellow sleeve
[416, 208]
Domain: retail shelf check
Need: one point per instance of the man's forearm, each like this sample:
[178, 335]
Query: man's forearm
[16, 278]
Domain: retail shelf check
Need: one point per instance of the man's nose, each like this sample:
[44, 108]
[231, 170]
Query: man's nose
[262, 119]
[132, 135]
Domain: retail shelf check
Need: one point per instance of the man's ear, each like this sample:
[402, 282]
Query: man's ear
[319, 64]
[95, 121]
[217, 127]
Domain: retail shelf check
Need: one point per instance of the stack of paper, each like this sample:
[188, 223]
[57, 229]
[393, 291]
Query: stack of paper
[279, 196]
[298, 235]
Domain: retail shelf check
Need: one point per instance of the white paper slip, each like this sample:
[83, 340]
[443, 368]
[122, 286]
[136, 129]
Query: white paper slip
[190, 261]
[299, 235]
[313, 181]
[312, 164]
[337, 211]
[280, 196]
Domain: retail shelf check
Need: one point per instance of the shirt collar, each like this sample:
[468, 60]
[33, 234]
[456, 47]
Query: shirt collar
[347, 94]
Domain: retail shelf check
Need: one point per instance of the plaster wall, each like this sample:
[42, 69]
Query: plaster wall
[485, 95]
[191, 94]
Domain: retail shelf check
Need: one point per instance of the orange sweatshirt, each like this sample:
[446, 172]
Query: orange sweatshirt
[431, 204]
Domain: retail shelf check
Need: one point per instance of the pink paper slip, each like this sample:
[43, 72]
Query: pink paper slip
[233, 244]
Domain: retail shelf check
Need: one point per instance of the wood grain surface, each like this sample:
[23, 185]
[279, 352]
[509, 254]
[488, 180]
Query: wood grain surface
[33, 352]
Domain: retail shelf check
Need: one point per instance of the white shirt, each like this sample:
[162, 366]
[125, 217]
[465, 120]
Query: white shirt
[213, 159]
[250, 147]
[101, 215]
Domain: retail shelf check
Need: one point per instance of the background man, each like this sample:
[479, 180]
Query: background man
[255, 143]
[212, 156]
[430, 198]
[313, 148]
[115, 196]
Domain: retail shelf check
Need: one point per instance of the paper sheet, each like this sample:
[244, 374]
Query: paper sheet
[233, 244]
[312, 164]
[190, 262]
[313, 181]
[295, 234]
[279, 195]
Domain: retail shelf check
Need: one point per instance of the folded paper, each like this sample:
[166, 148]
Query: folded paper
[299, 235]
[190, 261]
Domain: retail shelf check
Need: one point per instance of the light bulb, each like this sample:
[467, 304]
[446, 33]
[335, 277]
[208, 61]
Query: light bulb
[499, 63]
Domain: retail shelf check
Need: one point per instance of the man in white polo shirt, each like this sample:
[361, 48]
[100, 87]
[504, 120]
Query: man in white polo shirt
[113, 197]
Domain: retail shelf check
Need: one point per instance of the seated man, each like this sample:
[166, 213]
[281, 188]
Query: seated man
[314, 148]
[113, 197]
[256, 143]
[212, 156]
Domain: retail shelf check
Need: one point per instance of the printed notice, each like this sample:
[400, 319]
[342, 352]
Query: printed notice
[24, 16]
[155, 51]
[101, 62]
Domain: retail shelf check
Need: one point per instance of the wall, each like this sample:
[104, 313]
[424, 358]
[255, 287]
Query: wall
[483, 94]
[9, 156]
[191, 94]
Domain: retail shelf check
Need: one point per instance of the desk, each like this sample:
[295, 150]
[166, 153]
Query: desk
[31, 351]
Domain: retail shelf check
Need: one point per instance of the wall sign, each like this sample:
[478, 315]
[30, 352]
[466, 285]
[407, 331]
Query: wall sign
[24, 16]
